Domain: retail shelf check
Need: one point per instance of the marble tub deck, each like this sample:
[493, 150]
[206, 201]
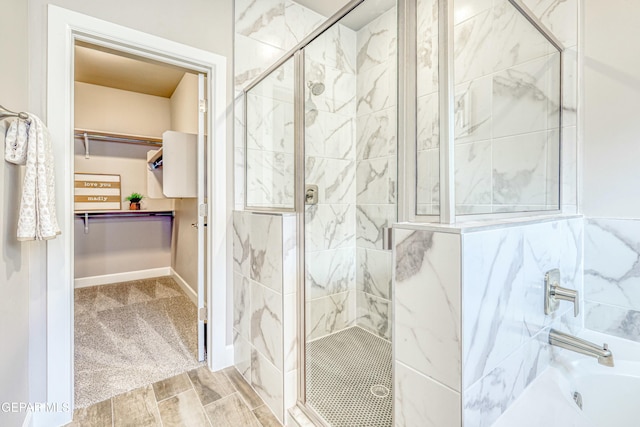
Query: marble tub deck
[192, 399]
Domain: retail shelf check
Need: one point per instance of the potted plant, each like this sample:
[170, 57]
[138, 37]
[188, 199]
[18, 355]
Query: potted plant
[134, 201]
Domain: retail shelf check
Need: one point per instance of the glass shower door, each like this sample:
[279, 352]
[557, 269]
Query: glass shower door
[350, 185]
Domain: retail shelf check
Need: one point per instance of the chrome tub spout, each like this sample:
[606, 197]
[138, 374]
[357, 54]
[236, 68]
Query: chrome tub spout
[569, 342]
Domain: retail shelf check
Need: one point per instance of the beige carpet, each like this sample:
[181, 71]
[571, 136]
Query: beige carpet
[131, 334]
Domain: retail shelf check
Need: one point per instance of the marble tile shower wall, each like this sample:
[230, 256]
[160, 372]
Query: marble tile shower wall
[330, 153]
[264, 31]
[612, 280]
[506, 75]
[270, 141]
[264, 314]
[427, 125]
[482, 361]
[376, 175]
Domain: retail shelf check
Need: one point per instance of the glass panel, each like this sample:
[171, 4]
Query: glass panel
[507, 121]
[350, 158]
[428, 134]
[269, 141]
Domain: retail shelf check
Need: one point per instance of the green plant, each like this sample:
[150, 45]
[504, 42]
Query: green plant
[134, 197]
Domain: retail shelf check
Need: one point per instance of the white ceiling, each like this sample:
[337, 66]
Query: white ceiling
[325, 8]
[358, 18]
[103, 67]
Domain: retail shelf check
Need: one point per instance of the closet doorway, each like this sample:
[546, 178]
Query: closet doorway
[139, 221]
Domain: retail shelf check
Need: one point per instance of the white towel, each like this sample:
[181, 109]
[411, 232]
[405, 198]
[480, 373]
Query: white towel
[28, 143]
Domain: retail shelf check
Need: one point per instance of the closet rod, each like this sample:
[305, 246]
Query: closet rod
[119, 138]
[121, 214]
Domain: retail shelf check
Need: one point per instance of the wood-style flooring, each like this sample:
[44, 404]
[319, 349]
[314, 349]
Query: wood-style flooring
[192, 399]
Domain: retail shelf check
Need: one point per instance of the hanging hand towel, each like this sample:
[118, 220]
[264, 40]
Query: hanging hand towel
[28, 143]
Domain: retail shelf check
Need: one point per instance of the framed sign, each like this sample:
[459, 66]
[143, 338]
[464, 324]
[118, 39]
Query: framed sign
[97, 192]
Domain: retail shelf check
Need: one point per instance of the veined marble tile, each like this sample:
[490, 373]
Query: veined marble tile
[374, 272]
[335, 179]
[550, 245]
[289, 332]
[428, 126]
[330, 272]
[553, 169]
[373, 89]
[473, 173]
[519, 169]
[340, 48]
[270, 179]
[474, 49]
[427, 304]
[329, 227]
[263, 20]
[611, 253]
[421, 401]
[465, 9]
[241, 243]
[376, 134]
[393, 179]
[427, 47]
[372, 181]
[373, 43]
[516, 41]
[428, 176]
[493, 271]
[340, 92]
[526, 97]
[267, 250]
[238, 166]
[488, 398]
[242, 355]
[300, 21]
[266, 323]
[370, 219]
[289, 254]
[473, 110]
[256, 57]
[560, 16]
[617, 321]
[374, 314]
[241, 308]
[570, 87]
[269, 124]
[339, 136]
[330, 135]
[267, 380]
[330, 314]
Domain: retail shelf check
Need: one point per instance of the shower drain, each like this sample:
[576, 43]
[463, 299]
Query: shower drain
[379, 390]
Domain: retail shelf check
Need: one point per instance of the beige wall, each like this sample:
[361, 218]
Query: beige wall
[184, 118]
[204, 24]
[120, 111]
[14, 278]
[127, 244]
[611, 104]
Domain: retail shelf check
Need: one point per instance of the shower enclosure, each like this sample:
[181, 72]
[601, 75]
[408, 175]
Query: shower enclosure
[329, 127]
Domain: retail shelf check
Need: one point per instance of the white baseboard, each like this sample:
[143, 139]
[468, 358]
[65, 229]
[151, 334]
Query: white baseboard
[84, 282]
[193, 296]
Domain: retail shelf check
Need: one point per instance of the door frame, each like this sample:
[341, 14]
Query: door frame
[64, 28]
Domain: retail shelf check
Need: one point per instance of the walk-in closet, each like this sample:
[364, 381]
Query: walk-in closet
[136, 234]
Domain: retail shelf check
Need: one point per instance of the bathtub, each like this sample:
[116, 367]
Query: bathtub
[610, 396]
